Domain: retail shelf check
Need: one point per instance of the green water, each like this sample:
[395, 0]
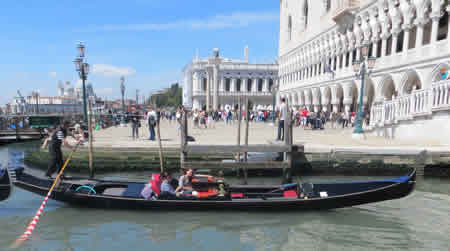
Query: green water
[418, 222]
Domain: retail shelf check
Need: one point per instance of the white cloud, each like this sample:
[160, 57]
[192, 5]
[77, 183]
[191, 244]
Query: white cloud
[232, 20]
[52, 74]
[113, 71]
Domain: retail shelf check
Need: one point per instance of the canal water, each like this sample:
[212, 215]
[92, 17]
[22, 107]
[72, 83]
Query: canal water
[420, 221]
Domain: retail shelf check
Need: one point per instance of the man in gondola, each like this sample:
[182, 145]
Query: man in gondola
[55, 140]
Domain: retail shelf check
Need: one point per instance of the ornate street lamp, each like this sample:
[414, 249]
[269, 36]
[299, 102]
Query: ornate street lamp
[362, 67]
[83, 70]
[122, 90]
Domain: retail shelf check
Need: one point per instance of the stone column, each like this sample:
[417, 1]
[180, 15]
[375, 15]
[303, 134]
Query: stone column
[383, 46]
[243, 84]
[406, 39]
[266, 85]
[208, 90]
[333, 63]
[448, 32]
[375, 48]
[222, 84]
[434, 28]
[351, 58]
[358, 53]
[347, 103]
[419, 36]
[338, 62]
[336, 108]
[233, 85]
[216, 86]
[394, 43]
[255, 85]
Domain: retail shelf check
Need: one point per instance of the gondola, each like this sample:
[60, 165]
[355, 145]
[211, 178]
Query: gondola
[105, 194]
[5, 184]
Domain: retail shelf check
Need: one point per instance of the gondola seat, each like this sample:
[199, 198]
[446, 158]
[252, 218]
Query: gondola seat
[133, 191]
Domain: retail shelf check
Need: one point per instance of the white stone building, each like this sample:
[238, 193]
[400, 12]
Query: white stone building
[217, 82]
[404, 94]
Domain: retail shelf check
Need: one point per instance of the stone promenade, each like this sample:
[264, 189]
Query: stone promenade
[264, 133]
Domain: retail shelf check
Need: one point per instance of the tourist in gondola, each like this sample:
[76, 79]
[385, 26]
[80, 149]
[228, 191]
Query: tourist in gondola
[167, 191]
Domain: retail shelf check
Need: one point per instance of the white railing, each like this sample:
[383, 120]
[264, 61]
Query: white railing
[418, 103]
[233, 93]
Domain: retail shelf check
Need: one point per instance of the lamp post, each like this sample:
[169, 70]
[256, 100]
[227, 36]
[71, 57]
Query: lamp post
[274, 97]
[362, 67]
[83, 70]
[137, 98]
[122, 90]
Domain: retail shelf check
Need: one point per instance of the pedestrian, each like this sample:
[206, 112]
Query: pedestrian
[135, 124]
[282, 117]
[152, 120]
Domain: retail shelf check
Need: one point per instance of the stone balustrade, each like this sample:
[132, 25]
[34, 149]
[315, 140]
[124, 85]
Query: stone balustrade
[419, 103]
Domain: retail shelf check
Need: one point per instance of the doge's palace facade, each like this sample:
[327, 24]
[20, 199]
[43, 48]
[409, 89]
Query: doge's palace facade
[410, 39]
[217, 82]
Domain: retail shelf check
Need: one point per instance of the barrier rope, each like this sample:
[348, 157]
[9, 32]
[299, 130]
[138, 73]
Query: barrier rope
[29, 230]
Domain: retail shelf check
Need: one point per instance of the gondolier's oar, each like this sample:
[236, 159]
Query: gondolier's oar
[35, 220]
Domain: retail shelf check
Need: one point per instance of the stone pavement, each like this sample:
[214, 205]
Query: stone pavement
[263, 133]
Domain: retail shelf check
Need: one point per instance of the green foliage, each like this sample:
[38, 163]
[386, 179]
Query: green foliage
[171, 98]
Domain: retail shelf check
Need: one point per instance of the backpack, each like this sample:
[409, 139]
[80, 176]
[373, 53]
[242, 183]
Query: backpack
[151, 120]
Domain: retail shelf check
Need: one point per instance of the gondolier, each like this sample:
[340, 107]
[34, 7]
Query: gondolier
[56, 138]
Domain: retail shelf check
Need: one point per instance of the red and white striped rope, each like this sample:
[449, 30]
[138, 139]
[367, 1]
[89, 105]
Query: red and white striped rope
[29, 230]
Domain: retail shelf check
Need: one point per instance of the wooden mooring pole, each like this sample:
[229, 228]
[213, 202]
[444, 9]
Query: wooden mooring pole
[161, 157]
[183, 142]
[239, 128]
[288, 141]
[91, 147]
[247, 118]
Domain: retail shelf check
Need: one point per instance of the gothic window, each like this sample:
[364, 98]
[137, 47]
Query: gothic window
[412, 37]
[289, 28]
[327, 5]
[249, 85]
[388, 46]
[204, 84]
[238, 85]
[427, 33]
[260, 85]
[305, 12]
[347, 59]
[270, 84]
[370, 50]
[379, 48]
[399, 47]
[227, 84]
[443, 27]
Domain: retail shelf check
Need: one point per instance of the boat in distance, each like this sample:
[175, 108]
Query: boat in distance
[5, 184]
[104, 194]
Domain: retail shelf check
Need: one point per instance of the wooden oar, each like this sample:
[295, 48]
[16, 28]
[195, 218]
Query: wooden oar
[35, 220]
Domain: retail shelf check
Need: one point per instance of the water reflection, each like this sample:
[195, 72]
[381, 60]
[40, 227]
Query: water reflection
[417, 222]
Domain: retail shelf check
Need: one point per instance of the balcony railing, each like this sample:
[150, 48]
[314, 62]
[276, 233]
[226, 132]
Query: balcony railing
[234, 93]
[407, 107]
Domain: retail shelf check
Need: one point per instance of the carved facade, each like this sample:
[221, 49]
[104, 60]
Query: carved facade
[218, 82]
[409, 38]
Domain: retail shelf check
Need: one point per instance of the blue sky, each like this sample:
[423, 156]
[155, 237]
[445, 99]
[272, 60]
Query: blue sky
[148, 41]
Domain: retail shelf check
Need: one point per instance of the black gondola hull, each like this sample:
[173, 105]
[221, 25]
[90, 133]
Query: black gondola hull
[5, 185]
[379, 191]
